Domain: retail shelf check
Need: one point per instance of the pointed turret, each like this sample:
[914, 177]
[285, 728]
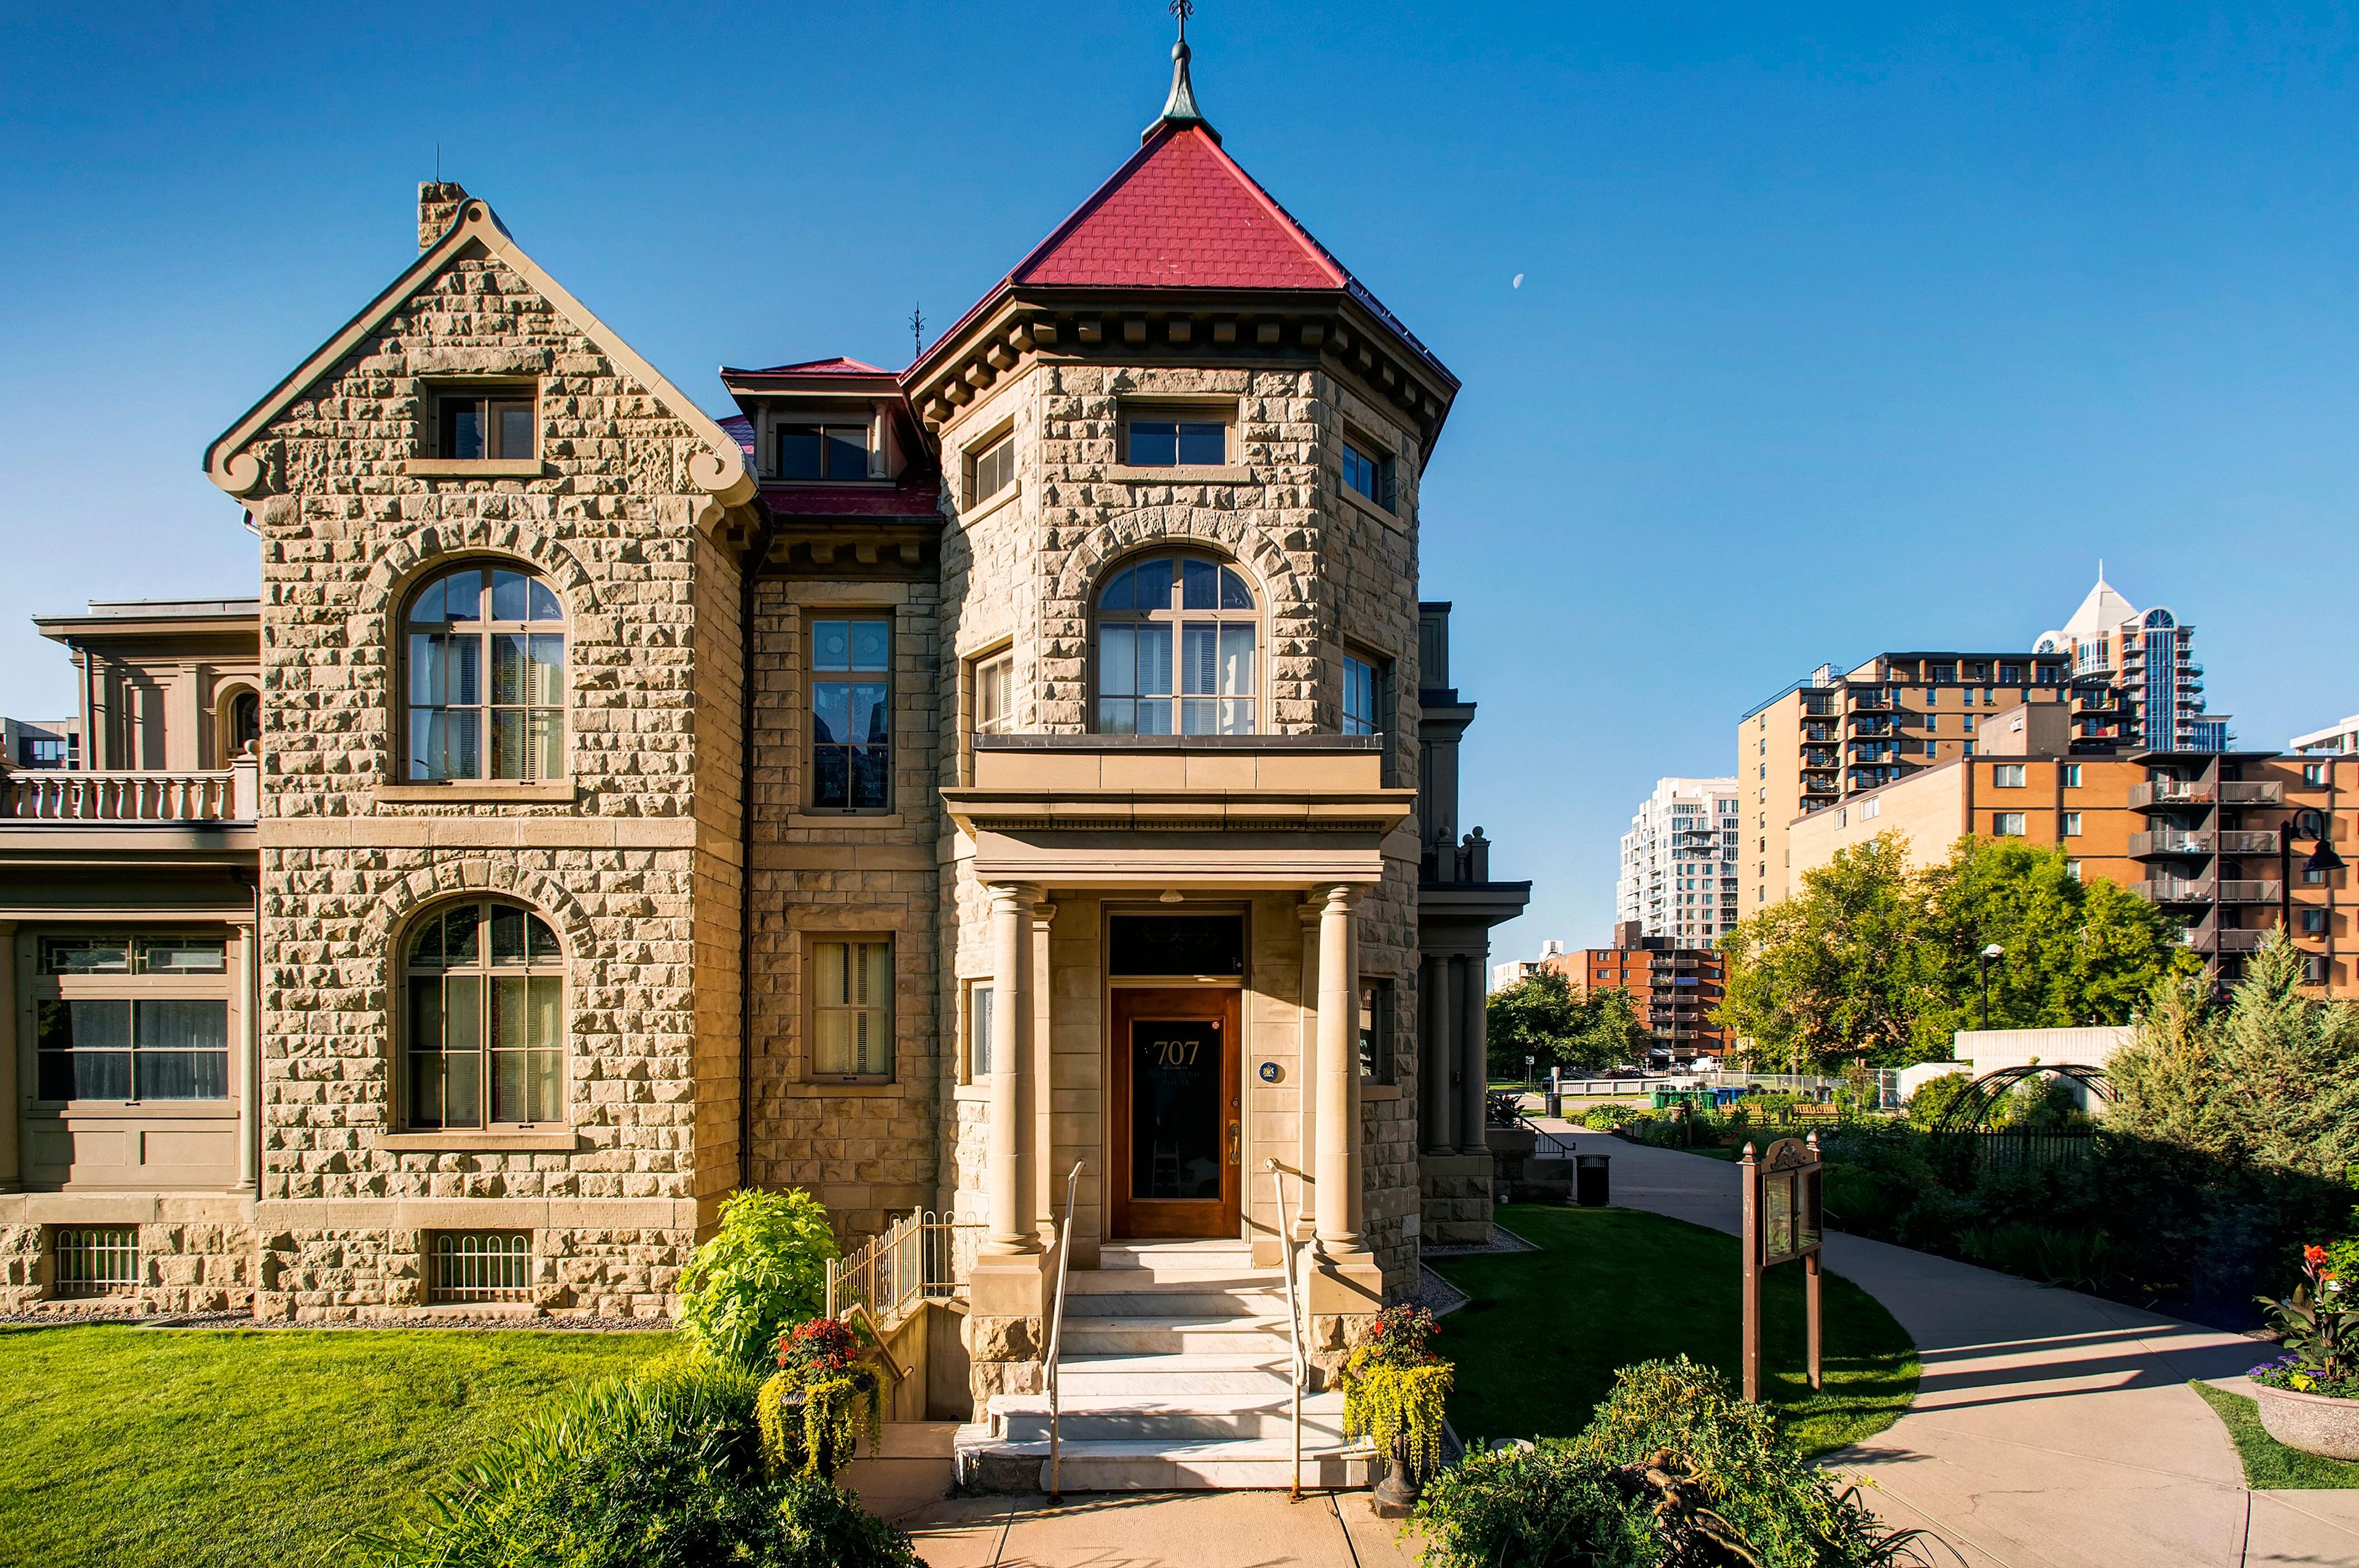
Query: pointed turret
[1180, 108]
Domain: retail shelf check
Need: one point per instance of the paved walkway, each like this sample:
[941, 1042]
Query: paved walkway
[1159, 1530]
[2050, 1429]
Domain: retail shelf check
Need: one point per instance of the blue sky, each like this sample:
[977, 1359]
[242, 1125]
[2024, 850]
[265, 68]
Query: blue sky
[1840, 328]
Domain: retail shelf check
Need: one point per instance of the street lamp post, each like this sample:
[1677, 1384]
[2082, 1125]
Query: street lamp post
[1983, 960]
[1527, 1073]
[2322, 859]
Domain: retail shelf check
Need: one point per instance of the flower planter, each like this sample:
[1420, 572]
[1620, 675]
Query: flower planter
[2312, 1422]
[1398, 1489]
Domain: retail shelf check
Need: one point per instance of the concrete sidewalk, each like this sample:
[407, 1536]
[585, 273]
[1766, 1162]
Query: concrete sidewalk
[2050, 1427]
[1159, 1530]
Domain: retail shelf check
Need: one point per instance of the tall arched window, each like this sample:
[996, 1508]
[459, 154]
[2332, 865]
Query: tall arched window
[486, 676]
[1176, 640]
[485, 992]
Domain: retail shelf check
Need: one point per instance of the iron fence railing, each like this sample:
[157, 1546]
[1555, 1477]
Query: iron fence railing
[920, 1257]
[2006, 1148]
[476, 1266]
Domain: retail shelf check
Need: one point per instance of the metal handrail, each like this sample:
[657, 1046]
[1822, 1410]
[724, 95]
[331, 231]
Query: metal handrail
[1056, 1336]
[1299, 1369]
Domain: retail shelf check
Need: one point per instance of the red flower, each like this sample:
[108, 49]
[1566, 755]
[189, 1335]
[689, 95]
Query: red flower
[2313, 1255]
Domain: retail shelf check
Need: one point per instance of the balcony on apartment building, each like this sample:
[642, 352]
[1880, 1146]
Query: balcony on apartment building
[1877, 701]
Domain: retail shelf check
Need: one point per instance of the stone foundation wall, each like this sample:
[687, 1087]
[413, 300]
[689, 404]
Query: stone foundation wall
[195, 1255]
[371, 1275]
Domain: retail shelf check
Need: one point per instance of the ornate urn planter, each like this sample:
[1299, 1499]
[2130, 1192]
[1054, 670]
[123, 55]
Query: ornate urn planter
[2312, 1422]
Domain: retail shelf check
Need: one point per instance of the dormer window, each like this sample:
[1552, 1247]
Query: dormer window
[473, 424]
[823, 452]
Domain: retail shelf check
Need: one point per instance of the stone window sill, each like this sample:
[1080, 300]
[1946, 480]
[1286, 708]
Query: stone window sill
[463, 1143]
[1371, 1092]
[848, 1088]
[1129, 474]
[975, 515]
[474, 468]
[977, 1093]
[800, 819]
[475, 792]
[1371, 511]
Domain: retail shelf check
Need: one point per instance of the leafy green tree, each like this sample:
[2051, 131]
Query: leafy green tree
[1875, 962]
[1838, 972]
[1542, 1016]
[763, 1272]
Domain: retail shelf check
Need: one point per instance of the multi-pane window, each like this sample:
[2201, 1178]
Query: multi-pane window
[994, 694]
[485, 992]
[979, 1058]
[1187, 606]
[1361, 686]
[991, 471]
[852, 714]
[822, 451]
[2071, 776]
[1162, 441]
[2007, 823]
[2313, 772]
[2072, 825]
[1368, 474]
[131, 1018]
[1375, 1021]
[2313, 922]
[492, 423]
[486, 677]
[851, 1008]
[2007, 775]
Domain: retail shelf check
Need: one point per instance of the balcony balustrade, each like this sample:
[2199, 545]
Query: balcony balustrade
[2172, 792]
[2252, 792]
[2248, 843]
[2249, 893]
[2175, 890]
[2146, 845]
[72, 794]
[2233, 942]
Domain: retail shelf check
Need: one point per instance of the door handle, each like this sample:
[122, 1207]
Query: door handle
[1236, 1141]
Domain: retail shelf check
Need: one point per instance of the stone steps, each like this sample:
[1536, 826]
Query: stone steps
[1174, 1416]
[1155, 1465]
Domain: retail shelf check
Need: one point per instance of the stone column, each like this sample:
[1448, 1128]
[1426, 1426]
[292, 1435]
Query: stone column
[1339, 1074]
[1474, 1069]
[1306, 1075]
[1038, 1090]
[1011, 1234]
[1433, 1017]
[12, 1102]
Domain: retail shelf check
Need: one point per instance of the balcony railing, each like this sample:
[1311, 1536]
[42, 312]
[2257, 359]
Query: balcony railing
[2175, 890]
[2248, 843]
[2249, 792]
[2172, 792]
[2249, 893]
[69, 794]
[2233, 942]
[2145, 845]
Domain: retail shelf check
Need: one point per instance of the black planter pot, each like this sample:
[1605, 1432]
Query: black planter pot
[1396, 1491]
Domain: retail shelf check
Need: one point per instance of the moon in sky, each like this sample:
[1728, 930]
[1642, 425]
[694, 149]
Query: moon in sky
[1518, 283]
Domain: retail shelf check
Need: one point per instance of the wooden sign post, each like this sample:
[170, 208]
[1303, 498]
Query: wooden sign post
[1782, 1224]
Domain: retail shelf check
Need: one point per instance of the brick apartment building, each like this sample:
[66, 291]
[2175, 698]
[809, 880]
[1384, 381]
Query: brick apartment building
[1675, 987]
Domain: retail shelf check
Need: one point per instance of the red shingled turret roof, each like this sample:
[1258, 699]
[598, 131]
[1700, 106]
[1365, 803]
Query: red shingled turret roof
[1181, 215]
[838, 365]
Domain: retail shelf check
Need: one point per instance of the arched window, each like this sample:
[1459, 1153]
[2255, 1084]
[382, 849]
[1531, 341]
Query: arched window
[486, 676]
[485, 992]
[244, 722]
[1176, 639]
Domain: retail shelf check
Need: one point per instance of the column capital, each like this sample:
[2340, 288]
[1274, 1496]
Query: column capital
[1012, 897]
[1043, 912]
[1342, 898]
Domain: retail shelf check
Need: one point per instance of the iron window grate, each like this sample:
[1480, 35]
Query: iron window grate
[95, 1260]
[480, 1266]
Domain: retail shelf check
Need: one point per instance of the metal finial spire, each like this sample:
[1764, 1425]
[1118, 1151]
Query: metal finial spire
[1180, 108]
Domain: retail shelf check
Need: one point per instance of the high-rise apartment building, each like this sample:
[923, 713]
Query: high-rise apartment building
[2335, 740]
[1674, 987]
[1679, 861]
[2122, 679]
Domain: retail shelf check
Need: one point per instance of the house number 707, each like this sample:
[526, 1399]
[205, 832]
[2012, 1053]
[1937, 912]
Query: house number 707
[1175, 1053]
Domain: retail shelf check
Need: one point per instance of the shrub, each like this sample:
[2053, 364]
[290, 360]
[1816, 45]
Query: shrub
[1934, 1097]
[1605, 1117]
[1674, 1471]
[762, 1271]
[663, 1470]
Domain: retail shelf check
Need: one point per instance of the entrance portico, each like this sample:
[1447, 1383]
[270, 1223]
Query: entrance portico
[1177, 967]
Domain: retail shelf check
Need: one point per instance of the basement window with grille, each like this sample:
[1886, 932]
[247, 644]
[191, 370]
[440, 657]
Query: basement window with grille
[476, 1266]
[87, 1261]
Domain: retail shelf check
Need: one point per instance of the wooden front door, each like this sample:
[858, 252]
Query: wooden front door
[1178, 1112]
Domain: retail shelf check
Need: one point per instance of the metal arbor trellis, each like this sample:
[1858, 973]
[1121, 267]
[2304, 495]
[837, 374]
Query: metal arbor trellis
[1969, 1112]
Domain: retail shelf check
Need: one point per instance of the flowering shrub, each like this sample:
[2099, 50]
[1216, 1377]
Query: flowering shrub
[1395, 1386]
[2320, 1334]
[813, 1410]
[763, 1272]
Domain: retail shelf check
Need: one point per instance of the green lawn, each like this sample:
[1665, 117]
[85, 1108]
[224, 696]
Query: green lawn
[1539, 1344]
[131, 1448]
[2270, 1465]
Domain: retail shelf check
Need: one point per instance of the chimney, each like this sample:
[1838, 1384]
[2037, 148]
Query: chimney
[438, 201]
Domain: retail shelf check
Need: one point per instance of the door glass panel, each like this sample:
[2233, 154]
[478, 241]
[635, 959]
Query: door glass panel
[1175, 1110]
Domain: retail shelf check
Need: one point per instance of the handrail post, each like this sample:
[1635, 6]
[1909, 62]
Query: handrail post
[1056, 1337]
[1297, 1369]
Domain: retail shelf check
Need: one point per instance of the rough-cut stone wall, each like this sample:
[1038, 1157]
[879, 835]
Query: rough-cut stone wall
[196, 1254]
[620, 531]
[867, 1150]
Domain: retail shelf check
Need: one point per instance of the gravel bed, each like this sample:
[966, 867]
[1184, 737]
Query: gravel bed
[1502, 1240]
[1436, 1294]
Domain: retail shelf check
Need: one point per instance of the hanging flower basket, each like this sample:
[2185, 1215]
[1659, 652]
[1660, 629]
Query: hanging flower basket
[1395, 1388]
[823, 1398]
